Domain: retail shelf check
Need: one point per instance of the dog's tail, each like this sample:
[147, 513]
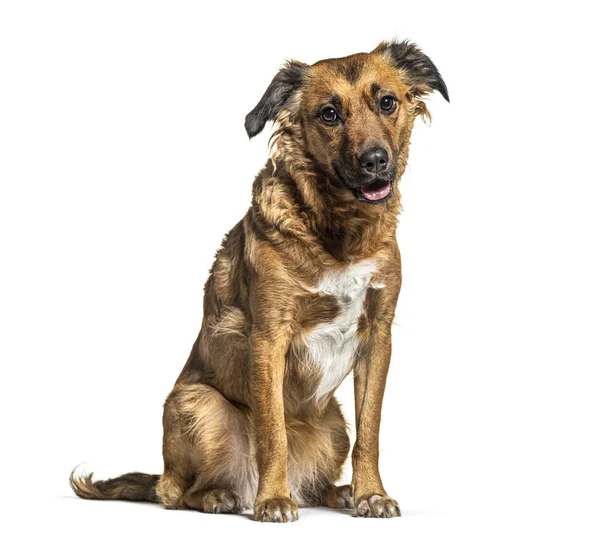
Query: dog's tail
[131, 486]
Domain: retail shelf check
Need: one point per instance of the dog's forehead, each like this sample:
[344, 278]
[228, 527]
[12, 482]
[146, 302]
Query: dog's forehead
[349, 76]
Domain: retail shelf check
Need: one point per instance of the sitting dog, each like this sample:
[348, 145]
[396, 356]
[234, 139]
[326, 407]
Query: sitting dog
[302, 292]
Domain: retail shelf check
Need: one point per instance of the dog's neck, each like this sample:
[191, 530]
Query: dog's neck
[297, 199]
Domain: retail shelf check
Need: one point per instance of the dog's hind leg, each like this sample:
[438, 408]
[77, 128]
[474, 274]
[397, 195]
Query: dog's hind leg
[207, 453]
[317, 452]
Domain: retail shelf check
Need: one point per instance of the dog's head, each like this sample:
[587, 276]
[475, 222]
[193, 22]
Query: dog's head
[355, 113]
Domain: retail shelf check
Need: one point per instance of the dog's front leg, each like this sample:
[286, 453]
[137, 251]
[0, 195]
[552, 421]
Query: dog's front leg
[370, 372]
[273, 501]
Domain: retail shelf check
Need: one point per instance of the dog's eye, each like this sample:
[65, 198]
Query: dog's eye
[329, 115]
[387, 103]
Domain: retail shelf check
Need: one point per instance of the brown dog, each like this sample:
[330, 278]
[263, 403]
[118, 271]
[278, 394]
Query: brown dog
[302, 291]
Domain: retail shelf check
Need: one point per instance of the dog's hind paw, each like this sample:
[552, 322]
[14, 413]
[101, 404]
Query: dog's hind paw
[339, 497]
[215, 500]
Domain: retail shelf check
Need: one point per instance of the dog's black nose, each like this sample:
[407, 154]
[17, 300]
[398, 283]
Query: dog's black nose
[374, 160]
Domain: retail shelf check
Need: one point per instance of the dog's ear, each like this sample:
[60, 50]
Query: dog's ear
[422, 73]
[279, 95]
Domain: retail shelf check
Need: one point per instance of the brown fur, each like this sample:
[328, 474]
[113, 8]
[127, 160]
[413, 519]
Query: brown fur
[242, 426]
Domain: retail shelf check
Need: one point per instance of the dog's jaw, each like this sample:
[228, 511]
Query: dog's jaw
[375, 192]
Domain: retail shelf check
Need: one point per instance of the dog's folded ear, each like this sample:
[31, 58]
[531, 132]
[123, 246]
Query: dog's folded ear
[422, 74]
[279, 96]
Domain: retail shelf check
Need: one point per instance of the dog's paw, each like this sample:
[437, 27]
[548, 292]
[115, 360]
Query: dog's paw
[340, 497]
[221, 500]
[276, 510]
[375, 505]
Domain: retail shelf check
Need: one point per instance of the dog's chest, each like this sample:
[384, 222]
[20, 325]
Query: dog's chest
[331, 347]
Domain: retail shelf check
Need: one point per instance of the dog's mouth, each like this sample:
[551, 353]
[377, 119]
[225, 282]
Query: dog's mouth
[375, 192]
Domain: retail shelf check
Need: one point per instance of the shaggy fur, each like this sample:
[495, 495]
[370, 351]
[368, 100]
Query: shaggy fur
[302, 291]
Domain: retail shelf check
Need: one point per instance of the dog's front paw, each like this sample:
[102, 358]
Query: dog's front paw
[276, 510]
[376, 505]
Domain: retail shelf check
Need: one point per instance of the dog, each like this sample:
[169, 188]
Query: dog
[301, 293]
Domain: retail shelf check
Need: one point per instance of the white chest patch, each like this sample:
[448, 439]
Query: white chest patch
[332, 346]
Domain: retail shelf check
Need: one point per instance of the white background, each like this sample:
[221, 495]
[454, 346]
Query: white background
[123, 161]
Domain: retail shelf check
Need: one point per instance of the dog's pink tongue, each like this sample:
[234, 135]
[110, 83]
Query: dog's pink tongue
[377, 192]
